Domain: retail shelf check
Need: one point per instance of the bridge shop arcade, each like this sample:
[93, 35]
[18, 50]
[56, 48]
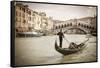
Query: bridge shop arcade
[85, 25]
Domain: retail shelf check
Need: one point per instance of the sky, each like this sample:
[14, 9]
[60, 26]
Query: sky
[63, 12]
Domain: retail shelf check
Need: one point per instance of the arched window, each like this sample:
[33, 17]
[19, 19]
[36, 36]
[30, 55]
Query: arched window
[70, 24]
[84, 26]
[93, 28]
[56, 27]
[87, 26]
[78, 24]
[65, 25]
[62, 26]
[81, 25]
[90, 27]
[59, 27]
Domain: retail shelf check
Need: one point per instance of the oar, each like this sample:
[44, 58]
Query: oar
[86, 40]
[66, 40]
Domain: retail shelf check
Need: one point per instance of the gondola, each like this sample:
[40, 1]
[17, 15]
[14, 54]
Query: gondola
[67, 51]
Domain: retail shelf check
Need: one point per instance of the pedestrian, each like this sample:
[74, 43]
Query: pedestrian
[61, 36]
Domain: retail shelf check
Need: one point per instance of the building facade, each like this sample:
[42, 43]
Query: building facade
[28, 20]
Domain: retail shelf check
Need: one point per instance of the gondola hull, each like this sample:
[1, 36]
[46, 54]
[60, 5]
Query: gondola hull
[67, 51]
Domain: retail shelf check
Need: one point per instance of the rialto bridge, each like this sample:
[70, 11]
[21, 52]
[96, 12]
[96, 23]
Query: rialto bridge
[75, 27]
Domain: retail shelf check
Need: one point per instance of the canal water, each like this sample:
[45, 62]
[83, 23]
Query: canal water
[41, 50]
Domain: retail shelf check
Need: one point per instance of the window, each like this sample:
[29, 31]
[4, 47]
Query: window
[23, 15]
[20, 8]
[23, 9]
[33, 14]
[19, 14]
[29, 18]
[24, 21]
[29, 12]
[16, 13]
[18, 19]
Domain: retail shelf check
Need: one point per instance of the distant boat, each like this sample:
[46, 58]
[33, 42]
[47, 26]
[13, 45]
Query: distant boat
[94, 34]
[67, 51]
[29, 34]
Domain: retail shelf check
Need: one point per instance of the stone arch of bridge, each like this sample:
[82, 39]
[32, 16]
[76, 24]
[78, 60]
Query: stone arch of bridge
[83, 30]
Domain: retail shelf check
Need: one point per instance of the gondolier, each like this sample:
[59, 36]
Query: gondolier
[61, 36]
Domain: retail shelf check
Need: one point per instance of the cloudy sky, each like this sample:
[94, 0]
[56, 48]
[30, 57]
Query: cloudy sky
[63, 12]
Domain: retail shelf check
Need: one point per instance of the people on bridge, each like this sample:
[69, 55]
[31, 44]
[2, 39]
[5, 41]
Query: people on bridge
[61, 36]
